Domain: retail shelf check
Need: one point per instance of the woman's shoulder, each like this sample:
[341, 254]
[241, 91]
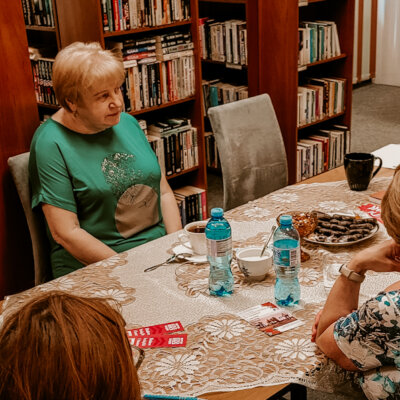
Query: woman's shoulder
[46, 133]
[128, 123]
[125, 117]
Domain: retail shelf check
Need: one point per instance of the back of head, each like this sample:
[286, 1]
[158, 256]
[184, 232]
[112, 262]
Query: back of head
[60, 346]
[391, 207]
[81, 67]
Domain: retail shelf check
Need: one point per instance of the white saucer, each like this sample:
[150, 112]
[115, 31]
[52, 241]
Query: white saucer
[195, 258]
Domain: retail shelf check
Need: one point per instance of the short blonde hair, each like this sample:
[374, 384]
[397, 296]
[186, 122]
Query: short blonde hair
[391, 207]
[81, 67]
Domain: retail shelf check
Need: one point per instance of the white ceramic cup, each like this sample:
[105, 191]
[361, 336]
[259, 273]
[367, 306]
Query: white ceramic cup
[254, 267]
[192, 240]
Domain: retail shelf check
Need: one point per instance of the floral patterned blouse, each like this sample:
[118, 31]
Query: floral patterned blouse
[370, 338]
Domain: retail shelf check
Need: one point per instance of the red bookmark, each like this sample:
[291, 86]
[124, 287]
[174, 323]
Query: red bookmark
[146, 342]
[160, 329]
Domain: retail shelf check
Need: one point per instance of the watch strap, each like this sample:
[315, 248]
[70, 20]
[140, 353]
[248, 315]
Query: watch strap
[350, 274]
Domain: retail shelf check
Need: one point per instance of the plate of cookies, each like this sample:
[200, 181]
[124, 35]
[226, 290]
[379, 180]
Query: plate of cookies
[342, 229]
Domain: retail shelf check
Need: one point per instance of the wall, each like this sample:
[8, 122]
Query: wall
[364, 40]
[388, 43]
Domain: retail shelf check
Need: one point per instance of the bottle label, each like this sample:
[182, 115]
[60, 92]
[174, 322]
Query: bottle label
[287, 257]
[219, 248]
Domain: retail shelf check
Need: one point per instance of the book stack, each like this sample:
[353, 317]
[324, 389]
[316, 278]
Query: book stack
[212, 156]
[173, 43]
[143, 125]
[42, 79]
[38, 12]
[223, 41]
[318, 40]
[157, 71]
[320, 98]
[192, 203]
[216, 92]
[175, 143]
[322, 151]
[121, 15]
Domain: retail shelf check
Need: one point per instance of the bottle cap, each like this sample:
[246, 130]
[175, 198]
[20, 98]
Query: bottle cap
[285, 220]
[217, 212]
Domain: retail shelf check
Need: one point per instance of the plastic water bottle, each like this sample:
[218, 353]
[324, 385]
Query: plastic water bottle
[219, 253]
[286, 251]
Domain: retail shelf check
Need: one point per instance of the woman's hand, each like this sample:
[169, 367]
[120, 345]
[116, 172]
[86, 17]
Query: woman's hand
[384, 257]
[315, 326]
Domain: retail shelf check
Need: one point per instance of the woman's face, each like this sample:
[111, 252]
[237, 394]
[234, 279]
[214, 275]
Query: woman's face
[101, 108]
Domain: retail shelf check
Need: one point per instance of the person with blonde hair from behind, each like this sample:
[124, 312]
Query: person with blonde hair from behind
[367, 338]
[61, 346]
[92, 170]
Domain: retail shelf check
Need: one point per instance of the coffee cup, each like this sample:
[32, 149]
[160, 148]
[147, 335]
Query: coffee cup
[194, 237]
[254, 267]
[359, 168]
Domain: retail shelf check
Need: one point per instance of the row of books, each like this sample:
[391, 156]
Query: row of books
[216, 92]
[158, 47]
[320, 98]
[318, 40]
[38, 12]
[174, 142]
[121, 15]
[151, 83]
[42, 72]
[192, 203]
[224, 41]
[322, 151]
[212, 157]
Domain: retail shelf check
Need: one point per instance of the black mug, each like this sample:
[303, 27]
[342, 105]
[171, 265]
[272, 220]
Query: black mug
[359, 168]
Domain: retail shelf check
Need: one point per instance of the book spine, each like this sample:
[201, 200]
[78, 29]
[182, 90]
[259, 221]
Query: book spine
[117, 26]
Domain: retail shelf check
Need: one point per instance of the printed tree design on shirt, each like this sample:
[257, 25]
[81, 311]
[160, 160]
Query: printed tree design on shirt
[137, 206]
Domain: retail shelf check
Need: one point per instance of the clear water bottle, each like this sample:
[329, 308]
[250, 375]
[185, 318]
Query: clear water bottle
[219, 253]
[286, 250]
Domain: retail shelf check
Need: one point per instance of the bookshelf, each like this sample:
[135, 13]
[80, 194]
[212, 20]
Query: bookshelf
[279, 59]
[273, 46]
[70, 21]
[242, 74]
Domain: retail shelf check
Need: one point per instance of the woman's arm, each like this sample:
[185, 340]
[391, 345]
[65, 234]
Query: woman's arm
[66, 231]
[343, 298]
[169, 207]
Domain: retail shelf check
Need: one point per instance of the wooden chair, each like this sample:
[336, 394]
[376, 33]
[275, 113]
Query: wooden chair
[251, 149]
[35, 219]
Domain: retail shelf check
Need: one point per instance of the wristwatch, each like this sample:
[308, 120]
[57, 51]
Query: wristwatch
[350, 274]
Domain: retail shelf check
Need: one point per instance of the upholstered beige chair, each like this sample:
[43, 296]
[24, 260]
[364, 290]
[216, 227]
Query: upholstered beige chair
[251, 149]
[35, 219]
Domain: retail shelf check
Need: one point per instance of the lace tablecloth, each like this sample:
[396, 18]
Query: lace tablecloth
[223, 352]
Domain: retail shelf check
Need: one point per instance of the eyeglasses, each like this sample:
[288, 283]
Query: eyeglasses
[138, 356]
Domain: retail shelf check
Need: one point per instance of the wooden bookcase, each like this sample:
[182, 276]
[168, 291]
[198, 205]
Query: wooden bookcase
[223, 10]
[18, 120]
[272, 40]
[278, 59]
[78, 20]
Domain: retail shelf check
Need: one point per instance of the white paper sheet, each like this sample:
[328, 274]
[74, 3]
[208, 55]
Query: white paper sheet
[390, 155]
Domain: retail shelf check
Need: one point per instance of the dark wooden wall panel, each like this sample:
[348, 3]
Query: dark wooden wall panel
[18, 120]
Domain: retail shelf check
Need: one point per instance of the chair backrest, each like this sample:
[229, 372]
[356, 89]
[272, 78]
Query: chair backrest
[251, 149]
[35, 219]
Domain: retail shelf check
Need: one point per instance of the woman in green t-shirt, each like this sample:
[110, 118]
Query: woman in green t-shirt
[92, 170]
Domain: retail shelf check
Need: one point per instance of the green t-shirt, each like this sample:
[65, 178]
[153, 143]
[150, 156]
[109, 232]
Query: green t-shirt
[110, 179]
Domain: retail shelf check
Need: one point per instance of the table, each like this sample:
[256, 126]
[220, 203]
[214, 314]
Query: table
[338, 174]
[224, 353]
